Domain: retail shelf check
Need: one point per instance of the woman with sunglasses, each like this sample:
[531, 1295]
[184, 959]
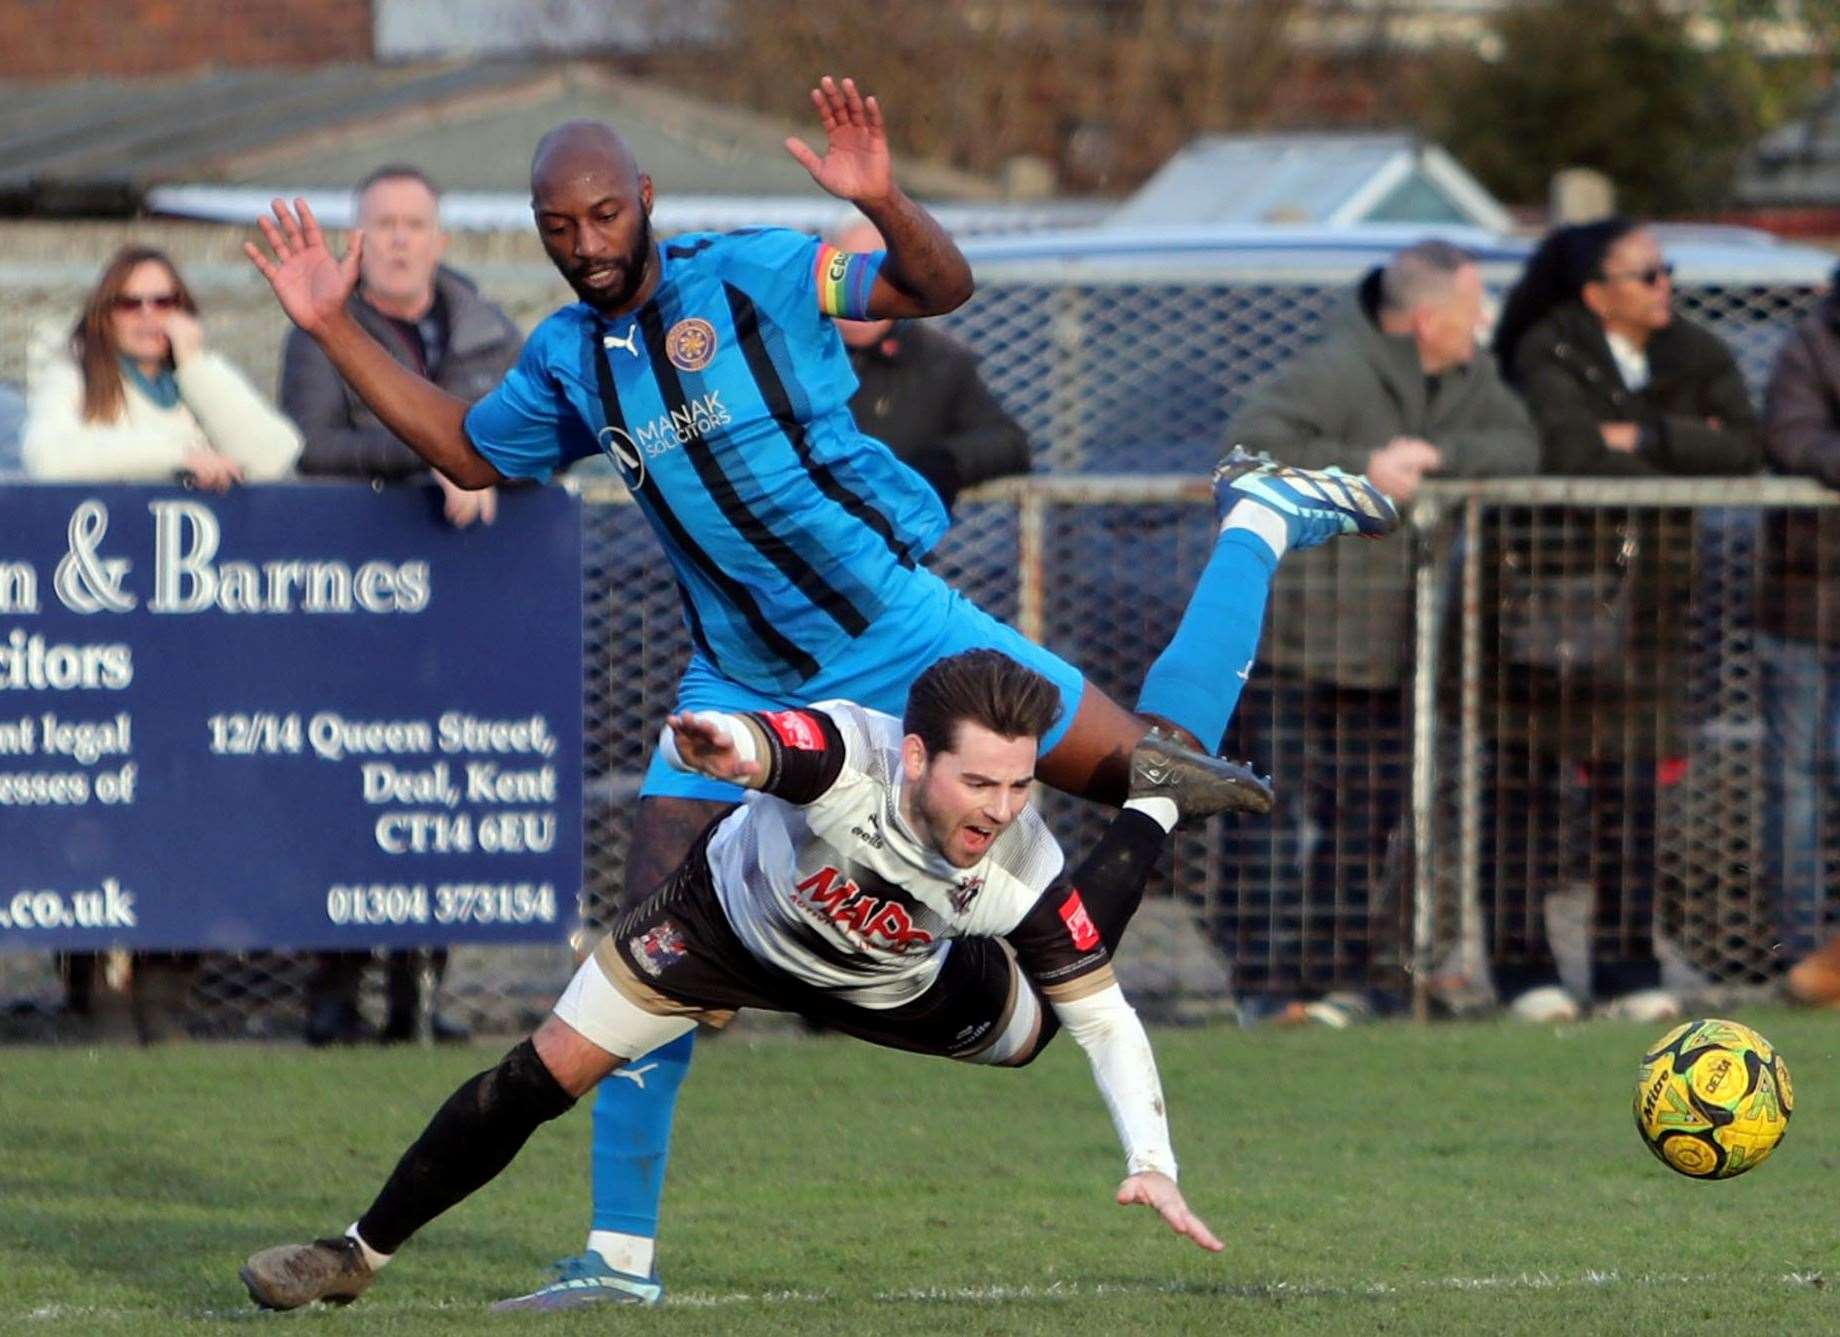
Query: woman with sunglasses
[136, 396]
[1617, 381]
[1588, 610]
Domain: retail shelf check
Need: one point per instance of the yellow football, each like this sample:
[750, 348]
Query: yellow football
[1712, 1099]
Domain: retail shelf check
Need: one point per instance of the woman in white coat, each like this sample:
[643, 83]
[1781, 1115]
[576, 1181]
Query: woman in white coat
[137, 397]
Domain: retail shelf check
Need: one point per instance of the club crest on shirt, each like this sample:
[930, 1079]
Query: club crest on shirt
[690, 344]
[964, 892]
[658, 948]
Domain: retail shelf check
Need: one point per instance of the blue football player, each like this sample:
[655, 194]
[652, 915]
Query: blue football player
[707, 368]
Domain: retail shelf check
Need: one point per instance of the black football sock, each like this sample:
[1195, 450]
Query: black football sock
[1111, 879]
[471, 1138]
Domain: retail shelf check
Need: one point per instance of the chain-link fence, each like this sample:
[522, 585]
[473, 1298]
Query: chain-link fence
[1139, 377]
[1626, 743]
[1595, 716]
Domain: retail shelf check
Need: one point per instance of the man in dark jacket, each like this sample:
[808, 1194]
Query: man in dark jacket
[433, 320]
[1395, 391]
[430, 317]
[1798, 643]
[920, 394]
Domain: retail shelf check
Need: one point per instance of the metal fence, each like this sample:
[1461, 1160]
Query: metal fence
[1134, 377]
[1625, 741]
[1581, 715]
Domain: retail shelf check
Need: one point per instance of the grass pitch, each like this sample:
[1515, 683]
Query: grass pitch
[1454, 1179]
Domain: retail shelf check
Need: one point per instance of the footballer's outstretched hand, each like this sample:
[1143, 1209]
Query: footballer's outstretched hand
[705, 746]
[1153, 1189]
[855, 165]
[311, 283]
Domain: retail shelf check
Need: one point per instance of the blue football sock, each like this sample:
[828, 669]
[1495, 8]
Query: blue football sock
[632, 1138]
[1197, 679]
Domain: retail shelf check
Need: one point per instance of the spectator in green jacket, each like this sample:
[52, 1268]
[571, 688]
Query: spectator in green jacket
[1396, 391]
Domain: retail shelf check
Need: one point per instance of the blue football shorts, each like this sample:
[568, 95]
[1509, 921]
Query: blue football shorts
[931, 621]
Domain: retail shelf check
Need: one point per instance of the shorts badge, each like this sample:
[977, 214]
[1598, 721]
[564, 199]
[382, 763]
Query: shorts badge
[659, 947]
[690, 344]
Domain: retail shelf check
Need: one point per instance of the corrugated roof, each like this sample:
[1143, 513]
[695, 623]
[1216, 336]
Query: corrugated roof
[1309, 178]
[98, 145]
[675, 211]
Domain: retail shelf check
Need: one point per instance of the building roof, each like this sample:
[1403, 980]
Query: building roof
[96, 146]
[1327, 179]
[1797, 163]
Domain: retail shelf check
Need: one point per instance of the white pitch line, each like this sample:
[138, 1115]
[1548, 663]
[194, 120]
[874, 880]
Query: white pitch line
[1058, 1291]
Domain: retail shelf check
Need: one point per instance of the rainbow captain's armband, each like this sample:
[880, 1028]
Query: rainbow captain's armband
[845, 279]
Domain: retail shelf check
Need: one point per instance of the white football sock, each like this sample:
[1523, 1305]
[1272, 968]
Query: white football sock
[1263, 521]
[1162, 811]
[372, 1258]
[631, 1254]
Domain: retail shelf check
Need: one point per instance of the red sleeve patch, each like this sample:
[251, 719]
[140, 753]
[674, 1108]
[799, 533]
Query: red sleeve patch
[796, 729]
[1079, 924]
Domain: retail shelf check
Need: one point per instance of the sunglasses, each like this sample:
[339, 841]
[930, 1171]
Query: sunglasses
[1647, 277]
[166, 301]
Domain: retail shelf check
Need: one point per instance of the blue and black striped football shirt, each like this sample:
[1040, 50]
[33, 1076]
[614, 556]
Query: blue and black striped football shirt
[724, 401]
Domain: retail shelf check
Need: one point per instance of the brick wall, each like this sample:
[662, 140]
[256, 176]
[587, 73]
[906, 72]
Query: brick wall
[63, 39]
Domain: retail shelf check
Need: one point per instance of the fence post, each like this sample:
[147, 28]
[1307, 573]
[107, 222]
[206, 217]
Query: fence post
[1031, 540]
[1471, 953]
[1425, 516]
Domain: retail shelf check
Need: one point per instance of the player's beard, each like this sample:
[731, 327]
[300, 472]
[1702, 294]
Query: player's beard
[936, 828]
[632, 270]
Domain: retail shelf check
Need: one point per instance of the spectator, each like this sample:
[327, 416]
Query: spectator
[1396, 391]
[1592, 604]
[919, 393]
[12, 419]
[134, 396]
[1798, 642]
[431, 319]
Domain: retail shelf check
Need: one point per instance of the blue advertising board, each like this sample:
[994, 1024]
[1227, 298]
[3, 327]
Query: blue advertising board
[292, 716]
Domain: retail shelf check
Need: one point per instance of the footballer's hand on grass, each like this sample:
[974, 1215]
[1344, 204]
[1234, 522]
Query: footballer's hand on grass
[311, 283]
[705, 746]
[855, 165]
[1153, 1189]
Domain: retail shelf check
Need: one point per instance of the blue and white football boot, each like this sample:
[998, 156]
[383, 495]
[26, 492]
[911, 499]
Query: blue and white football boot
[586, 1279]
[1317, 504]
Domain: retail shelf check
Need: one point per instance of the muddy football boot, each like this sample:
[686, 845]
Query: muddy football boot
[1199, 785]
[291, 1275]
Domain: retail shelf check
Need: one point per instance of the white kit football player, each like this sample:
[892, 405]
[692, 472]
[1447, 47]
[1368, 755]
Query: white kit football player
[884, 877]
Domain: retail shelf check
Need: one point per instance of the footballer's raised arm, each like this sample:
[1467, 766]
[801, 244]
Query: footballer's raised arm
[796, 755]
[924, 273]
[313, 288]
